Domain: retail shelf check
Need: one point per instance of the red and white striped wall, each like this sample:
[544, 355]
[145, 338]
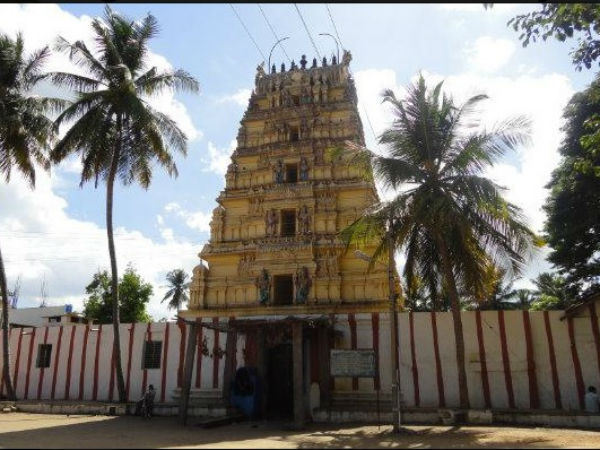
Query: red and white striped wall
[82, 368]
[514, 359]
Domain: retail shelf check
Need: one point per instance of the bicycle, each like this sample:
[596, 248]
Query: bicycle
[146, 410]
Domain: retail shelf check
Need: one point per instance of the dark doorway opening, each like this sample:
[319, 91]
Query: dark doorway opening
[284, 289]
[294, 134]
[291, 173]
[280, 391]
[288, 222]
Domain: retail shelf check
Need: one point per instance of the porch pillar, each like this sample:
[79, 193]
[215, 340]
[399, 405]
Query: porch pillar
[229, 370]
[261, 367]
[324, 375]
[298, 374]
[187, 374]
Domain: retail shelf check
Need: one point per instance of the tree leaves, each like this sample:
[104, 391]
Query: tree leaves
[115, 87]
[563, 21]
[134, 295]
[573, 205]
[432, 146]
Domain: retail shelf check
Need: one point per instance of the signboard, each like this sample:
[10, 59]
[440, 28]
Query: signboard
[353, 363]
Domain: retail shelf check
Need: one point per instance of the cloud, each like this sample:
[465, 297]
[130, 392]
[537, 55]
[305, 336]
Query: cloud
[241, 97]
[39, 239]
[488, 54]
[497, 8]
[219, 158]
[541, 98]
[42, 23]
[197, 220]
[38, 236]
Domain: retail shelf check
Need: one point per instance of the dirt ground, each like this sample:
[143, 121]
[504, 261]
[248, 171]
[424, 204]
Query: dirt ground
[20, 430]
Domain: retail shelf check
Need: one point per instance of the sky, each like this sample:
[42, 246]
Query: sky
[55, 235]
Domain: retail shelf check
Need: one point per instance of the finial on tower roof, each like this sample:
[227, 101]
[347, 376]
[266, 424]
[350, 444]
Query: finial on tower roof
[273, 69]
[303, 62]
[282, 67]
[314, 63]
[333, 60]
[324, 61]
[293, 66]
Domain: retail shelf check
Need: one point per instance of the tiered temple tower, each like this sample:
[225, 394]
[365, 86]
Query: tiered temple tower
[274, 246]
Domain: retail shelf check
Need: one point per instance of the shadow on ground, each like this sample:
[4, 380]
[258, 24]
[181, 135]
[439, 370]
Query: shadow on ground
[45, 431]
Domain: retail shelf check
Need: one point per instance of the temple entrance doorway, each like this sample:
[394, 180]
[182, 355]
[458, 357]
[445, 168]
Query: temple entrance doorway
[279, 381]
[283, 290]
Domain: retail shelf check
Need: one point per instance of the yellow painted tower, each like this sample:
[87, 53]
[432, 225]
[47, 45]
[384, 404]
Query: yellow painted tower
[274, 247]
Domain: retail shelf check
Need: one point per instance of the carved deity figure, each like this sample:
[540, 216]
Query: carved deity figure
[304, 220]
[263, 283]
[322, 265]
[319, 155]
[306, 95]
[302, 283]
[303, 169]
[332, 264]
[347, 57]
[279, 172]
[271, 222]
[244, 265]
[256, 205]
[285, 98]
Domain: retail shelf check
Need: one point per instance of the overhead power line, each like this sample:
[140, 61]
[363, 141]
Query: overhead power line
[364, 108]
[333, 23]
[370, 124]
[248, 31]
[274, 34]
[307, 31]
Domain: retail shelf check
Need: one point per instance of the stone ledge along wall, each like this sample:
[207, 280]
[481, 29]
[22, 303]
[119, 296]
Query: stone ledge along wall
[515, 359]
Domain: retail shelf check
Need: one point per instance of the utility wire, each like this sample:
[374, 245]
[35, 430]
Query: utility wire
[247, 31]
[333, 23]
[274, 33]
[364, 108]
[370, 124]
[307, 31]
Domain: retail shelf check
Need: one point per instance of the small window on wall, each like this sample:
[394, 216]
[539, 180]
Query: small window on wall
[291, 173]
[288, 222]
[43, 355]
[283, 289]
[152, 351]
[294, 134]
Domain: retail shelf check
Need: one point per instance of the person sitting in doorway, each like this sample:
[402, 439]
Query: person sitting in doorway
[147, 400]
[592, 401]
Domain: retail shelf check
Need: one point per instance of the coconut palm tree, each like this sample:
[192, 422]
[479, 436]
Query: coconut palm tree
[500, 291]
[178, 286]
[114, 130]
[450, 220]
[25, 132]
[524, 299]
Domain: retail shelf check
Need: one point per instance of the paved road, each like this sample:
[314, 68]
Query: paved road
[20, 430]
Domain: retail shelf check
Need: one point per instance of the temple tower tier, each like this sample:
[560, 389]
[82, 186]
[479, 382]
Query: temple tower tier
[274, 245]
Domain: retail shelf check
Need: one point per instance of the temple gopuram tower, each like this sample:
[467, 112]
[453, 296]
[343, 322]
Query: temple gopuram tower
[275, 270]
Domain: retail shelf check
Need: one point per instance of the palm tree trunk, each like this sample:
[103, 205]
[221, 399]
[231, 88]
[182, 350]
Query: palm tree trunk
[113, 266]
[10, 392]
[463, 388]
